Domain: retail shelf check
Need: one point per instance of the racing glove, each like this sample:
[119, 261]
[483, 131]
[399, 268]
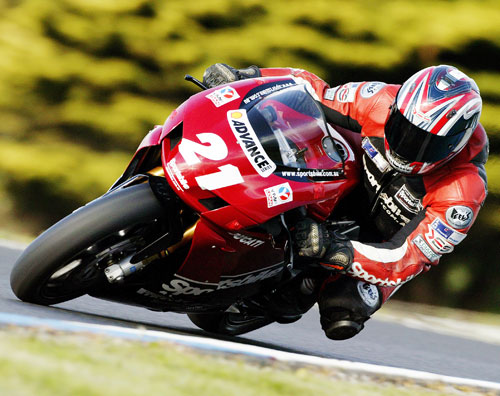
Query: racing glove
[220, 73]
[333, 251]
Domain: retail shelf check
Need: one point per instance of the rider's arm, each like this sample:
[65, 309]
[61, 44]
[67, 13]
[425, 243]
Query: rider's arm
[450, 208]
[315, 84]
[363, 107]
[354, 106]
[357, 106]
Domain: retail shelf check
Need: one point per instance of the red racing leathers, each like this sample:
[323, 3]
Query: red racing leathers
[419, 218]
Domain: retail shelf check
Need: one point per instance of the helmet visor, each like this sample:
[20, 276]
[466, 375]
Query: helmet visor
[414, 144]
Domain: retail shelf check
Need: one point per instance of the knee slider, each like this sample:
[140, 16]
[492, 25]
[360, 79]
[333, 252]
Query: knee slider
[345, 305]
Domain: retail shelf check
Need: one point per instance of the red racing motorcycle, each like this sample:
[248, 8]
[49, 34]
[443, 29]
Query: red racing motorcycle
[200, 222]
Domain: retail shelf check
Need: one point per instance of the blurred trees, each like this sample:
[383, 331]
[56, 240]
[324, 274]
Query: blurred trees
[82, 81]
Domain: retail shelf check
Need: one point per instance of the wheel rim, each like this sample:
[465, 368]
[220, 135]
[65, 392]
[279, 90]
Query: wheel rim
[84, 272]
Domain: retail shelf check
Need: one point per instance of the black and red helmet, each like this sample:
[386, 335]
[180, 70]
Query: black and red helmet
[431, 120]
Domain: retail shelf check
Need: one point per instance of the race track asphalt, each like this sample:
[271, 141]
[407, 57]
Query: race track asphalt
[381, 343]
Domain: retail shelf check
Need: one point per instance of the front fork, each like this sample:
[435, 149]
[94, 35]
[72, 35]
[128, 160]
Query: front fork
[117, 273]
[168, 242]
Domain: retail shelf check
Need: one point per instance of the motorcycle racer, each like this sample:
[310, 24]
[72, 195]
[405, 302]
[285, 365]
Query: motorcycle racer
[423, 183]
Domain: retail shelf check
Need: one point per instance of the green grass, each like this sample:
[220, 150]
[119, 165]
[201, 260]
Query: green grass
[52, 364]
[405, 309]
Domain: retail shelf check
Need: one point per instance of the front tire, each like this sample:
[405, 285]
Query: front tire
[61, 264]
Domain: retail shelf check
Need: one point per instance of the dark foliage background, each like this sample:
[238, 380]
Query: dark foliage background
[82, 81]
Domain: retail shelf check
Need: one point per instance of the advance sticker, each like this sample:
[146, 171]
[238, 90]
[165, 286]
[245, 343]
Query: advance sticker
[250, 143]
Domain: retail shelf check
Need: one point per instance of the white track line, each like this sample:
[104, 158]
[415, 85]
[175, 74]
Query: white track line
[211, 344]
[5, 243]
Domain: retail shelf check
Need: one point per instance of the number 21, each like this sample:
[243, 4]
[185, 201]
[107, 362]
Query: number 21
[216, 150]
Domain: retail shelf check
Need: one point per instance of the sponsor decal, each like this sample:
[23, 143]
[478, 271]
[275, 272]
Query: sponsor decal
[358, 271]
[330, 93]
[408, 201]
[392, 209]
[398, 165]
[347, 92]
[437, 242]
[249, 142]
[246, 240]
[267, 91]
[459, 216]
[149, 294]
[447, 232]
[223, 96]
[386, 202]
[375, 155]
[176, 176]
[371, 88]
[246, 279]
[420, 117]
[425, 248]
[329, 174]
[185, 286]
[278, 195]
[369, 293]
[369, 148]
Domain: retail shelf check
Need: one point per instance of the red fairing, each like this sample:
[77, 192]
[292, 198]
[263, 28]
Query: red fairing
[432, 212]
[241, 154]
[152, 138]
[212, 160]
[228, 254]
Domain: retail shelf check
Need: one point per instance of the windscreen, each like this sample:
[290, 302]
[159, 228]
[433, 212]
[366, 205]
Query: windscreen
[291, 127]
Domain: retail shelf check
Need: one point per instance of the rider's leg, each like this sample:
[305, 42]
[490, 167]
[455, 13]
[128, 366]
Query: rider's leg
[346, 303]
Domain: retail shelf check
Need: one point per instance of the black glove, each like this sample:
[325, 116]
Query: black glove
[335, 251]
[311, 238]
[220, 73]
[339, 255]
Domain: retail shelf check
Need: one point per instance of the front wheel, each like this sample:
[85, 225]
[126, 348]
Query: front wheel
[67, 260]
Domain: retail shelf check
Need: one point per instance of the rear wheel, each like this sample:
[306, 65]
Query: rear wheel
[207, 322]
[68, 259]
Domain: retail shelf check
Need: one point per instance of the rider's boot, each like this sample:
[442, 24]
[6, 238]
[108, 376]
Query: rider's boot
[288, 304]
[345, 304]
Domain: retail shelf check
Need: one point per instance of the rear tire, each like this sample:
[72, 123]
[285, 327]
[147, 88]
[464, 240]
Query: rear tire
[61, 265]
[207, 322]
[229, 323]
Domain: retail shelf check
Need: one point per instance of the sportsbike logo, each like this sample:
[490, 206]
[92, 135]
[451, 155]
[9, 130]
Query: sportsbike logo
[358, 271]
[185, 286]
[250, 143]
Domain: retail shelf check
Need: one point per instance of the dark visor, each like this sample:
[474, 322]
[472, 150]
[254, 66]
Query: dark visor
[415, 144]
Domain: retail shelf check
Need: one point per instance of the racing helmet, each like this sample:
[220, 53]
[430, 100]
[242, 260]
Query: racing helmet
[431, 120]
